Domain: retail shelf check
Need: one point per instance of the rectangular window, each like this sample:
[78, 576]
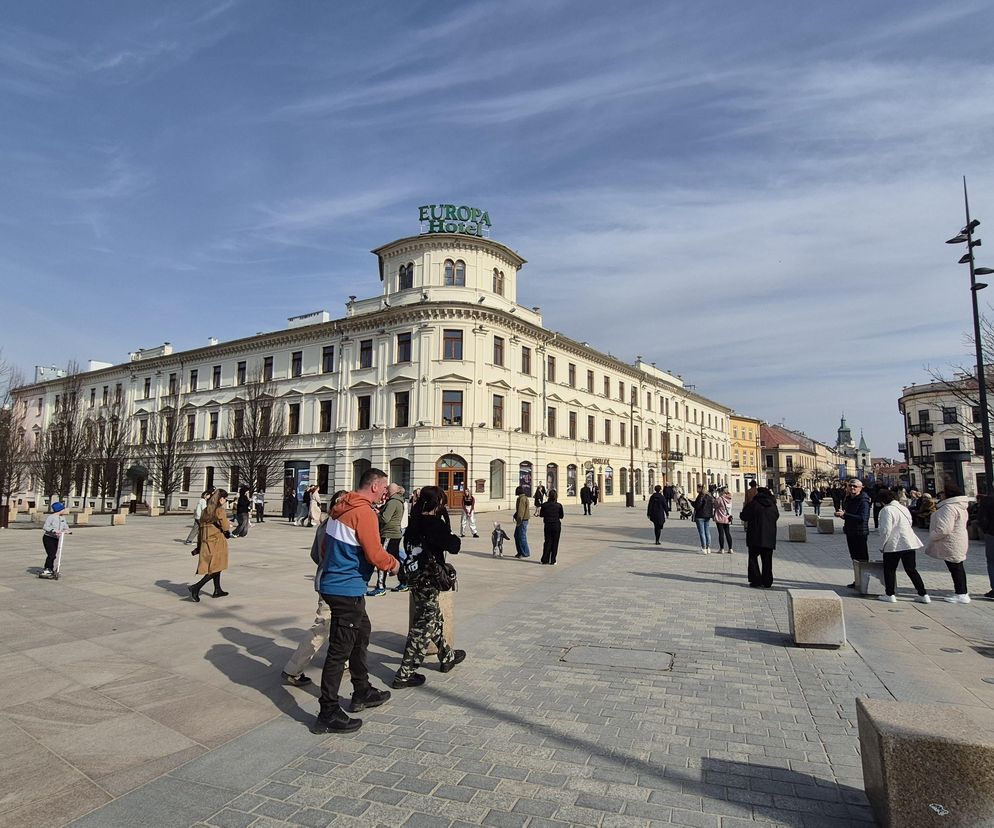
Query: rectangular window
[293, 421]
[240, 374]
[623, 433]
[607, 431]
[365, 411]
[550, 369]
[239, 422]
[148, 388]
[191, 426]
[498, 418]
[325, 416]
[209, 477]
[526, 418]
[978, 445]
[216, 377]
[327, 359]
[187, 478]
[366, 353]
[296, 363]
[452, 408]
[193, 379]
[451, 344]
[621, 391]
[648, 437]
[923, 417]
[976, 414]
[590, 381]
[526, 360]
[635, 436]
[571, 375]
[106, 395]
[550, 428]
[790, 463]
[143, 430]
[93, 397]
[648, 401]
[212, 430]
[591, 428]
[234, 478]
[499, 351]
[267, 368]
[926, 448]
[499, 282]
[265, 420]
[404, 347]
[401, 409]
[952, 444]
[607, 386]
[173, 389]
[322, 478]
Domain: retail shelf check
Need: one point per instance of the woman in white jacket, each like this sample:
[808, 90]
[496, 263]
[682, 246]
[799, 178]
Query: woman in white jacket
[898, 543]
[948, 540]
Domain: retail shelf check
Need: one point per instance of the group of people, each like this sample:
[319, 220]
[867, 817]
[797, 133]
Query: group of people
[303, 511]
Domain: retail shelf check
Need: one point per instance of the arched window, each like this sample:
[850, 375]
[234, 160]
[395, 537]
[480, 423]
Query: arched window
[679, 481]
[624, 481]
[608, 480]
[460, 279]
[498, 282]
[400, 473]
[552, 477]
[571, 480]
[638, 481]
[496, 479]
[450, 269]
[405, 279]
[525, 477]
[359, 468]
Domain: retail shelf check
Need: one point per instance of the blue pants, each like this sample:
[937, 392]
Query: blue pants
[704, 530]
[798, 507]
[521, 539]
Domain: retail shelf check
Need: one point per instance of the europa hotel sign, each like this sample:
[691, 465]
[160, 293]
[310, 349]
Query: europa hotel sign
[449, 218]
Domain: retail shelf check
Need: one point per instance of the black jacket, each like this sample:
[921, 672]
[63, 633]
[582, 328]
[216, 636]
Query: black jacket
[433, 535]
[586, 496]
[703, 506]
[551, 512]
[656, 511]
[760, 517]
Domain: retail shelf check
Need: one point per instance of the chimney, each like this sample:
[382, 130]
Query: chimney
[211, 341]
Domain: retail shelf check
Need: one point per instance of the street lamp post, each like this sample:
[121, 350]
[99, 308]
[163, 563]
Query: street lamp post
[630, 494]
[966, 235]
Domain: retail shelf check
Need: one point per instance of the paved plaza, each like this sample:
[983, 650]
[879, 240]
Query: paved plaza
[630, 685]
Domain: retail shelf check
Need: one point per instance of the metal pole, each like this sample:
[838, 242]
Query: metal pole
[630, 494]
[985, 425]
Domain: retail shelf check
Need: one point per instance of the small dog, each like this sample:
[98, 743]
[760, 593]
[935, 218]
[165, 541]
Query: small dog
[497, 538]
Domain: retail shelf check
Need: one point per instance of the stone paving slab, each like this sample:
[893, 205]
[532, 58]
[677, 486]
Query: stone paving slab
[745, 729]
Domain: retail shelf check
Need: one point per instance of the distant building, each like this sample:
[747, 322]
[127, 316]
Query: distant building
[791, 458]
[746, 451]
[859, 454]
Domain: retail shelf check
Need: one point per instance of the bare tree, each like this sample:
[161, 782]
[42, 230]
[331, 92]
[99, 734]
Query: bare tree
[13, 440]
[62, 448]
[162, 449]
[254, 446]
[110, 445]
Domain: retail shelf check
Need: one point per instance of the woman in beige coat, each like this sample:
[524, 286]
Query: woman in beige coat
[214, 533]
[948, 540]
[314, 514]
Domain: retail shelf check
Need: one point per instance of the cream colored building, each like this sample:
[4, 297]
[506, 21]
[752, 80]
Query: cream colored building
[441, 378]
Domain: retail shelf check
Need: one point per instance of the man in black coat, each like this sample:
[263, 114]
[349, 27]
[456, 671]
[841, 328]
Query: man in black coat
[586, 498]
[656, 511]
[855, 512]
[668, 494]
[760, 517]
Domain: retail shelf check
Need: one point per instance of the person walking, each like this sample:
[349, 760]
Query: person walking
[836, 493]
[816, 497]
[539, 498]
[855, 513]
[668, 494]
[428, 533]
[290, 506]
[703, 512]
[468, 516]
[215, 529]
[243, 507]
[723, 518]
[317, 635]
[197, 513]
[760, 517]
[522, 511]
[259, 501]
[389, 519]
[352, 550]
[586, 497]
[552, 516]
[656, 511]
[797, 495]
[54, 527]
[948, 540]
[304, 507]
[314, 507]
[898, 543]
[985, 517]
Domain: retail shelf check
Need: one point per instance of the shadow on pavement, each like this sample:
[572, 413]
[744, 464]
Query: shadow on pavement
[182, 589]
[755, 636]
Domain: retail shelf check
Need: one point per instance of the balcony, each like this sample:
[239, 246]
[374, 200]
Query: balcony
[902, 448]
[675, 456]
[735, 464]
[921, 428]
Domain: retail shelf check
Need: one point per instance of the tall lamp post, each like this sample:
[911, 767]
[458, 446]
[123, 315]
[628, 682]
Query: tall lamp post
[630, 494]
[966, 235]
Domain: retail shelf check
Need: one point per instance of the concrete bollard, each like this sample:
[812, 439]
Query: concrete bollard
[869, 577]
[811, 520]
[81, 519]
[816, 617]
[826, 526]
[447, 604]
[118, 519]
[797, 533]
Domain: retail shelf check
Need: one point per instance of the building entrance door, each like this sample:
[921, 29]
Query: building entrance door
[450, 477]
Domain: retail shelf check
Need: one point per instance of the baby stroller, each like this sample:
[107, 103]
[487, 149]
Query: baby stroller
[686, 510]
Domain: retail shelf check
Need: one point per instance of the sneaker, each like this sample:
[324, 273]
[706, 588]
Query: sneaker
[923, 599]
[375, 593]
[731, 551]
[957, 599]
[989, 595]
[45, 573]
[414, 680]
[401, 588]
[371, 698]
[703, 551]
[475, 535]
[299, 680]
[335, 722]
[890, 599]
[458, 657]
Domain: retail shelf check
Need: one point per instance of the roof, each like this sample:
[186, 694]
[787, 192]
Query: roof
[773, 436]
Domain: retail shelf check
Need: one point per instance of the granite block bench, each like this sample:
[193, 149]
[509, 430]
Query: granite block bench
[816, 618]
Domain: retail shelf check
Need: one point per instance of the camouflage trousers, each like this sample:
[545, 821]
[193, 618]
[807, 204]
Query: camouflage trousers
[426, 627]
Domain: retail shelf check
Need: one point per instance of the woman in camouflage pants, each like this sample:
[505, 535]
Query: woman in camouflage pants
[428, 533]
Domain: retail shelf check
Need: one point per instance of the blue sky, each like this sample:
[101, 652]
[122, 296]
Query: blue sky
[754, 195]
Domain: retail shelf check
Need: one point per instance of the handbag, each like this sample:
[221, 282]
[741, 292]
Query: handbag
[424, 571]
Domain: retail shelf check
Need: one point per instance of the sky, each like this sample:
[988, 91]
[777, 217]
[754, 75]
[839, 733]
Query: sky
[752, 195]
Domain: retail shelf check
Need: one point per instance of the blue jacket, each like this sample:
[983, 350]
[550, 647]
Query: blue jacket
[352, 549]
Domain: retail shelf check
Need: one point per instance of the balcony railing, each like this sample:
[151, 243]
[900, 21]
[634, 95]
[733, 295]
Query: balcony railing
[675, 456]
[921, 428]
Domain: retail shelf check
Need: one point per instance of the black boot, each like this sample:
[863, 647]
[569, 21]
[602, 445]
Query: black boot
[335, 721]
[459, 656]
[371, 698]
[194, 592]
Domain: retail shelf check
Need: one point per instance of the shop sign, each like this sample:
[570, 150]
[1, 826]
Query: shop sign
[450, 218]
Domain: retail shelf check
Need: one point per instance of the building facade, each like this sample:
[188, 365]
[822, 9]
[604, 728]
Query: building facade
[746, 451]
[441, 378]
[942, 425]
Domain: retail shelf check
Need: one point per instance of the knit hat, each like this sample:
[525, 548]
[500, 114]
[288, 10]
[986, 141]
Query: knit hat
[58, 507]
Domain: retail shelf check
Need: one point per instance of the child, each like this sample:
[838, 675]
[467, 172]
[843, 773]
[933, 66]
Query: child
[55, 526]
[497, 539]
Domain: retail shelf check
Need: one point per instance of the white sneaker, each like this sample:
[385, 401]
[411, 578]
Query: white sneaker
[890, 599]
[957, 599]
[923, 599]
[709, 550]
[703, 551]
[731, 551]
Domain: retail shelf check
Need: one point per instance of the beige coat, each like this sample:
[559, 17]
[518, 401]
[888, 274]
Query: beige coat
[315, 507]
[947, 538]
[213, 543]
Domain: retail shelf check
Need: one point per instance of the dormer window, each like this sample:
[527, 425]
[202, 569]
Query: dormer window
[455, 273]
[405, 277]
[498, 282]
